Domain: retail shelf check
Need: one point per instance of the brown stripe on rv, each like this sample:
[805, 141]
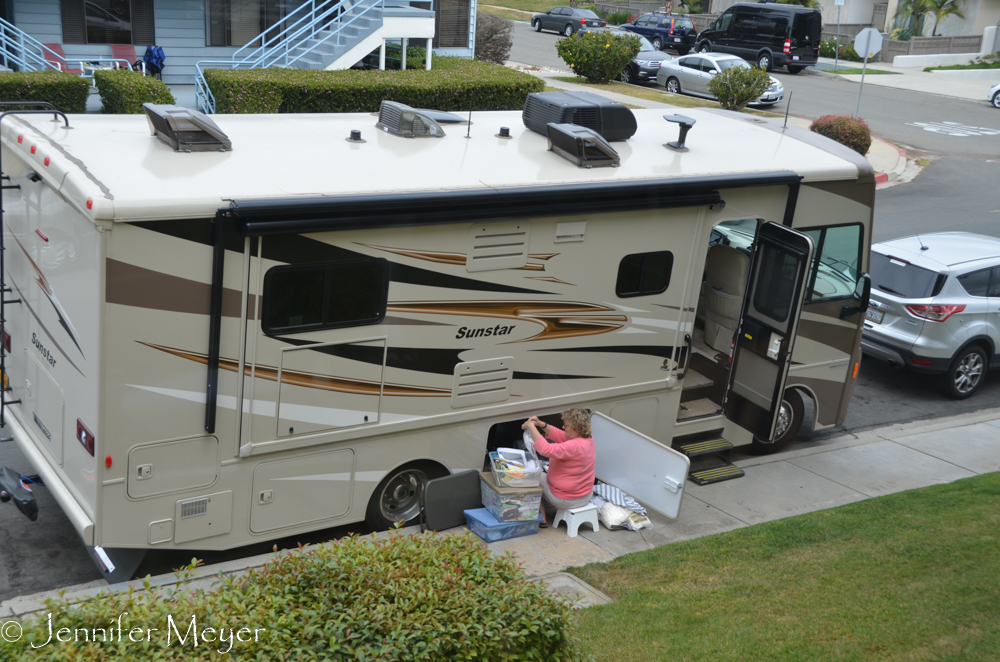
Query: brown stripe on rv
[828, 393]
[129, 285]
[834, 333]
[458, 259]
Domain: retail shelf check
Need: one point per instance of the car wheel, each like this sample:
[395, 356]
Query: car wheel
[794, 70]
[965, 375]
[790, 416]
[397, 498]
[626, 75]
[537, 25]
[657, 43]
[673, 85]
[569, 30]
[705, 47]
[683, 51]
[996, 100]
[764, 61]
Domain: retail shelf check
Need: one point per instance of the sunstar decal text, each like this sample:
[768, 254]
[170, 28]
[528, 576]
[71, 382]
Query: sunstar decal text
[46, 354]
[497, 330]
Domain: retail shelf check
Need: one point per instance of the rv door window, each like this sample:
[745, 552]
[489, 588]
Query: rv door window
[834, 271]
[641, 274]
[776, 284]
[299, 298]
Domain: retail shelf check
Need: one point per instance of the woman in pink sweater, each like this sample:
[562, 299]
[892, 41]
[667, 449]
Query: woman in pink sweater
[570, 480]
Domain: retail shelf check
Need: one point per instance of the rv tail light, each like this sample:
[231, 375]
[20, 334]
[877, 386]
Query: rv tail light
[788, 46]
[33, 149]
[90, 204]
[46, 162]
[934, 313]
[6, 341]
[917, 361]
[107, 461]
[85, 437]
[20, 139]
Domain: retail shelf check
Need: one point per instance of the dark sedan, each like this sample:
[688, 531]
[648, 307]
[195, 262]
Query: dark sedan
[567, 20]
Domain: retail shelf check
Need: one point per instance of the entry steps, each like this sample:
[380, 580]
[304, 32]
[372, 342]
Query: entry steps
[710, 460]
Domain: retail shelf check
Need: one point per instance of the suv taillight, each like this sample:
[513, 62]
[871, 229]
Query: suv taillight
[788, 46]
[934, 313]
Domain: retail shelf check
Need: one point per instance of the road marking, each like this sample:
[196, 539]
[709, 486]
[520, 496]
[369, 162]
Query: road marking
[955, 129]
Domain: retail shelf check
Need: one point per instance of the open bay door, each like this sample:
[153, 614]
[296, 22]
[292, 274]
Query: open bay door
[766, 333]
[649, 471]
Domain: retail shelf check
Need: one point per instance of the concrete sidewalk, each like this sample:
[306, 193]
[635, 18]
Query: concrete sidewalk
[834, 472]
[942, 83]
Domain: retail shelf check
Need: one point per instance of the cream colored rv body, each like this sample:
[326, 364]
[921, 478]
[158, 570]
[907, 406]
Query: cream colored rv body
[495, 274]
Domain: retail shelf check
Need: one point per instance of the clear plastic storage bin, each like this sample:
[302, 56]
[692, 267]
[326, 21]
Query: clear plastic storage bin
[481, 522]
[506, 477]
[510, 504]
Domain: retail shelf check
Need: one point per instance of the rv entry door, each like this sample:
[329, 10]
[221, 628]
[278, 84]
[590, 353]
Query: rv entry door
[766, 333]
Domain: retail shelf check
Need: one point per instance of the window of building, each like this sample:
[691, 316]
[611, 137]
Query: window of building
[241, 22]
[836, 258]
[300, 298]
[644, 273]
[107, 22]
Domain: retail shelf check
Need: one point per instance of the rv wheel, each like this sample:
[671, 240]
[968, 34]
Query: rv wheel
[397, 498]
[789, 423]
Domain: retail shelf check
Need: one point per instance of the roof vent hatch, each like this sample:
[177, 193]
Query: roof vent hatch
[402, 120]
[582, 146]
[186, 130]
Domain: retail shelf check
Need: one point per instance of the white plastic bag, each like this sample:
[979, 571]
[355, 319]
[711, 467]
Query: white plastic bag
[613, 516]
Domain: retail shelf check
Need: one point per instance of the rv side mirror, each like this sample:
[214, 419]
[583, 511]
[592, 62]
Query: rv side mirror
[862, 294]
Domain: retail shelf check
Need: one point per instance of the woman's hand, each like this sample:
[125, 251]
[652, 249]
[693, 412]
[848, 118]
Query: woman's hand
[534, 421]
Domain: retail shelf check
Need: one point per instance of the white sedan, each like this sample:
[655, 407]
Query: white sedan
[690, 75]
[994, 95]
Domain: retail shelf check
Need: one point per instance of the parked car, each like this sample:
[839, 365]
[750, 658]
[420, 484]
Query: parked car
[642, 68]
[994, 95]
[566, 20]
[690, 74]
[770, 34]
[665, 31]
[935, 307]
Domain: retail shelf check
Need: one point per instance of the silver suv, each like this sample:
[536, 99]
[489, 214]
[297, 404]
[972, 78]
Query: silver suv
[935, 307]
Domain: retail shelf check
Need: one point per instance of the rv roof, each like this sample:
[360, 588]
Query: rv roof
[130, 175]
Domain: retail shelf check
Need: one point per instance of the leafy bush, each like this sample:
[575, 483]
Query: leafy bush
[901, 34]
[67, 92]
[123, 91]
[598, 56]
[735, 87]
[617, 17]
[494, 37]
[451, 84]
[425, 597]
[846, 130]
[827, 48]
[416, 56]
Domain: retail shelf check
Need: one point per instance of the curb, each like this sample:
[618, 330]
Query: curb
[892, 175]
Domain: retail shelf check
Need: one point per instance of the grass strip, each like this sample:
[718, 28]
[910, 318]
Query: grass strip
[908, 576]
[978, 65]
[849, 72]
[504, 12]
[535, 6]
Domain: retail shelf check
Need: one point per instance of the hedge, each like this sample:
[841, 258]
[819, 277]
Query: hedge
[846, 130]
[123, 91]
[452, 84]
[67, 92]
[428, 597]
[598, 56]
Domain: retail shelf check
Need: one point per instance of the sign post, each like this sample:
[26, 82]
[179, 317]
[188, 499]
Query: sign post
[836, 47]
[872, 41]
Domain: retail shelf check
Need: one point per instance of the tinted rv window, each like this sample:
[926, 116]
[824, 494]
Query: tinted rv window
[644, 273]
[775, 286]
[299, 298]
[834, 271]
[899, 277]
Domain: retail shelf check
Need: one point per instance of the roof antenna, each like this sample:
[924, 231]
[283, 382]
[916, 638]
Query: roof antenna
[469, 129]
[787, 106]
[922, 247]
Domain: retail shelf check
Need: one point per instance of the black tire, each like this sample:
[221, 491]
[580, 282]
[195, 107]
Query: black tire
[537, 25]
[791, 406]
[965, 374]
[568, 32]
[683, 51]
[676, 84]
[397, 497]
[794, 69]
[764, 60]
[657, 43]
[704, 47]
[626, 75]
[996, 100]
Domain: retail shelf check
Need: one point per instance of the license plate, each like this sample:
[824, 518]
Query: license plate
[592, 24]
[677, 40]
[874, 315]
[795, 57]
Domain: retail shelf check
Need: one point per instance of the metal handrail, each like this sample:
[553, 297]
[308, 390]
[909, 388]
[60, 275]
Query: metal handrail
[17, 48]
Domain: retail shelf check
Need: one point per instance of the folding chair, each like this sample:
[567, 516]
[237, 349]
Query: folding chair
[124, 52]
[445, 499]
[60, 61]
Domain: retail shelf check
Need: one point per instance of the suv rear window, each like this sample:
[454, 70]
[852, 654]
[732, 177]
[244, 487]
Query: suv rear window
[683, 23]
[807, 27]
[899, 277]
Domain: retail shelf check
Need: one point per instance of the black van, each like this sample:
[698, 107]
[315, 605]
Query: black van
[770, 34]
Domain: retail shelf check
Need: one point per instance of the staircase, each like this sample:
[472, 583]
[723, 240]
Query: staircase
[319, 34]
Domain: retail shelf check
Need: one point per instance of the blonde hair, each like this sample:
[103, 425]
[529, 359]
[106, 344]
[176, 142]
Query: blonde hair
[579, 419]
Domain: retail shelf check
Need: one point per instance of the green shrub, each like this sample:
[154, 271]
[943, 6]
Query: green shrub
[415, 57]
[827, 48]
[617, 17]
[846, 130]
[494, 37]
[423, 597]
[598, 56]
[451, 84]
[67, 92]
[123, 91]
[735, 87]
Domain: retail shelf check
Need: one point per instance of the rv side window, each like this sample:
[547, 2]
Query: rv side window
[300, 298]
[644, 273]
[834, 271]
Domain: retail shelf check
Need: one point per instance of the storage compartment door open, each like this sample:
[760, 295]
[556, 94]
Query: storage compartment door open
[646, 469]
[768, 323]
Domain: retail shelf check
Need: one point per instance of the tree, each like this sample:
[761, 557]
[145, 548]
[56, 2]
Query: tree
[945, 8]
[915, 11]
[735, 87]
[811, 4]
[598, 56]
[494, 37]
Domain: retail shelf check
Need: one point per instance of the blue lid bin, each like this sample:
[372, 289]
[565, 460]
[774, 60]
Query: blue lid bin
[482, 522]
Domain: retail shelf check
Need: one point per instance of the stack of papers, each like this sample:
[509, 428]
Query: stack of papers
[518, 459]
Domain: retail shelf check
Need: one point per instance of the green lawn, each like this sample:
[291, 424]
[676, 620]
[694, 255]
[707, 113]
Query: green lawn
[910, 576]
[512, 14]
[534, 6]
[860, 71]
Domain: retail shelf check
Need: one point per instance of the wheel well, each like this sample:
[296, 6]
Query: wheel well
[983, 343]
[766, 51]
[807, 392]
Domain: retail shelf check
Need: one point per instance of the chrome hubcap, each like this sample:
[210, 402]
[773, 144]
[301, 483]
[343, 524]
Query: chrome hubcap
[784, 419]
[400, 500]
[968, 374]
[672, 86]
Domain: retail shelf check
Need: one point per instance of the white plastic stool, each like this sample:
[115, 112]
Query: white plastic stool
[574, 517]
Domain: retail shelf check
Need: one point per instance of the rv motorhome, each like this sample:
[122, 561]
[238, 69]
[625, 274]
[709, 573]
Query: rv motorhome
[232, 331]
